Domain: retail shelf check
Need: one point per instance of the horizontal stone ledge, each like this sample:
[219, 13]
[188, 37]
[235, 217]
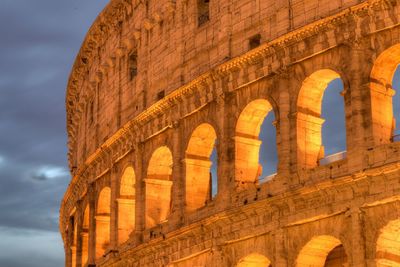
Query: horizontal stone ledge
[157, 181]
[105, 218]
[126, 201]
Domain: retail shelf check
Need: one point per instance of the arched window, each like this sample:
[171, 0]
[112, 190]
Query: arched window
[158, 186]
[199, 178]
[383, 80]
[248, 167]
[103, 221]
[254, 260]
[322, 251]
[126, 205]
[313, 102]
[388, 245]
[85, 236]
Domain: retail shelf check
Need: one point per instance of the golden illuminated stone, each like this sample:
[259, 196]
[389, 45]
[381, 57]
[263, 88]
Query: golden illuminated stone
[157, 85]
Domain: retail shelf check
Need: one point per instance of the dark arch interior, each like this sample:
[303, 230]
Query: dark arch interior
[337, 257]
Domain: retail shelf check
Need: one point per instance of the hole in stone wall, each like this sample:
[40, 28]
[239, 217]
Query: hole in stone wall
[161, 95]
[254, 41]
[133, 70]
[203, 9]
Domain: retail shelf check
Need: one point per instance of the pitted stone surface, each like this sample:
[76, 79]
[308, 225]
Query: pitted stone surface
[157, 84]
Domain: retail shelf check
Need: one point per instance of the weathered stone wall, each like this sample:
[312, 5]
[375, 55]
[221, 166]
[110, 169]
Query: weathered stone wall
[171, 49]
[211, 77]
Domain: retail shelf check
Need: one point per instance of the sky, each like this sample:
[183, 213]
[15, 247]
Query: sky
[38, 44]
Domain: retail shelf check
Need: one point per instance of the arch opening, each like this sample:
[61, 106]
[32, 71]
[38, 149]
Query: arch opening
[322, 251]
[254, 260]
[200, 154]
[158, 186]
[320, 120]
[396, 105]
[383, 80]
[388, 245]
[255, 143]
[103, 221]
[126, 205]
[85, 236]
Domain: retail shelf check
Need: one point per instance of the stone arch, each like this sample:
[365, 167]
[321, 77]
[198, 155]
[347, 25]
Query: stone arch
[254, 260]
[247, 143]
[381, 79]
[158, 186]
[85, 236]
[308, 117]
[323, 250]
[198, 166]
[103, 221]
[126, 204]
[388, 245]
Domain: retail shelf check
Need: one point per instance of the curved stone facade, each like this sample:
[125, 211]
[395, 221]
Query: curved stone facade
[158, 84]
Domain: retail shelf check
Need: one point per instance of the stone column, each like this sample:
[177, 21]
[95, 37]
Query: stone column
[84, 246]
[68, 254]
[280, 250]
[358, 109]
[140, 194]
[92, 225]
[79, 223]
[283, 129]
[113, 209]
[357, 239]
[178, 187]
[226, 154]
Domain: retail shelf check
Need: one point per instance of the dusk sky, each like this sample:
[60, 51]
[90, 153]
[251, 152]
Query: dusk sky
[39, 42]
[38, 45]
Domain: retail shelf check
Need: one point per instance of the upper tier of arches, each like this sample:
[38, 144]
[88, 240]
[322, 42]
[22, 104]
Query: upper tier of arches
[131, 62]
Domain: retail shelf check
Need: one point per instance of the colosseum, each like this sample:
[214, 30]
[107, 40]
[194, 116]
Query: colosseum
[158, 86]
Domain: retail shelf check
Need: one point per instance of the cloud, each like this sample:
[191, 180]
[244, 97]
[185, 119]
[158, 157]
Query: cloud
[43, 38]
[35, 248]
[50, 172]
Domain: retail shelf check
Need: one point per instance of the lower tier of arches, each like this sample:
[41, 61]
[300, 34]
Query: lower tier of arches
[349, 221]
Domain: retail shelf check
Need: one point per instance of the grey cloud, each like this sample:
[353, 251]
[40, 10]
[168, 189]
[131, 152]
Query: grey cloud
[38, 46]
